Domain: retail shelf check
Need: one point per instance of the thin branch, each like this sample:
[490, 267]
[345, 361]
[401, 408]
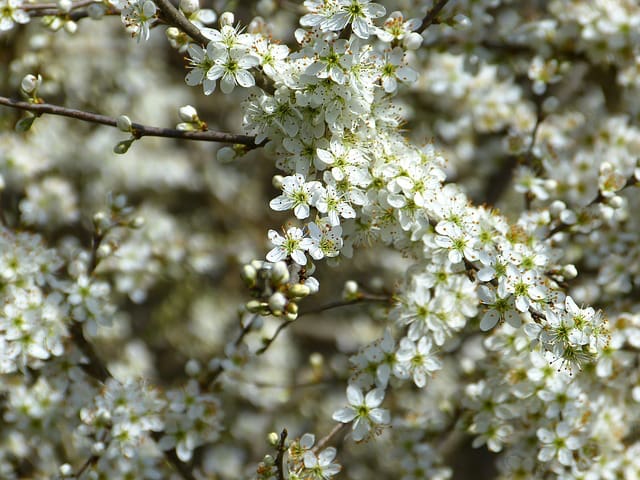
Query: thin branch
[54, 6]
[138, 130]
[326, 439]
[214, 374]
[175, 17]
[431, 16]
[282, 448]
[340, 303]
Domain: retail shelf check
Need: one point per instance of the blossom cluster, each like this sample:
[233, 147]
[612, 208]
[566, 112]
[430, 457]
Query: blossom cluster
[516, 329]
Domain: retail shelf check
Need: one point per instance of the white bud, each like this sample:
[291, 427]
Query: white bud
[137, 222]
[227, 18]
[192, 368]
[3, 183]
[226, 154]
[266, 7]
[273, 438]
[616, 201]
[276, 181]
[569, 271]
[568, 217]
[97, 448]
[172, 33]
[66, 470]
[412, 41]
[280, 273]
[65, 5]
[291, 311]
[100, 221]
[316, 359]
[96, 11]
[188, 114]
[104, 251]
[299, 290]
[462, 22]
[557, 206]
[249, 275]
[350, 290]
[189, 6]
[70, 27]
[30, 83]
[277, 302]
[123, 123]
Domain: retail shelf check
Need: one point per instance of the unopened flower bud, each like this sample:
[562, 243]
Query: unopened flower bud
[189, 6]
[100, 221]
[273, 438]
[280, 273]
[66, 470]
[616, 201]
[255, 306]
[96, 11]
[70, 27]
[266, 7]
[350, 290]
[569, 272]
[30, 83]
[137, 222]
[65, 5]
[104, 251]
[249, 275]
[557, 206]
[192, 368]
[291, 311]
[124, 123]
[188, 114]
[225, 155]
[97, 448]
[568, 217]
[299, 290]
[412, 41]
[276, 181]
[227, 18]
[277, 302]
[461, 22]
[172, 33]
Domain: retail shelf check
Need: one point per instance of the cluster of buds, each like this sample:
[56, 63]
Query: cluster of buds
[190, 120]
[273, 291]
[118, 214]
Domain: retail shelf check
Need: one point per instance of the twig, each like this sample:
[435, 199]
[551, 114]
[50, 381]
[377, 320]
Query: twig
[54, 6]
[282, 447]
[96, 369]
[322, 308]
[174, 17]
[138, 130]
[326, 439]
[213, 375]
[431, 16]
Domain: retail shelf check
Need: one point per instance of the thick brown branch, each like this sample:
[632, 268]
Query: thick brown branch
[432, 15]
[139, 130]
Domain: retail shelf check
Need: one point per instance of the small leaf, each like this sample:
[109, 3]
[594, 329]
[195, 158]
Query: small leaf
[123, 147]
[24, 124]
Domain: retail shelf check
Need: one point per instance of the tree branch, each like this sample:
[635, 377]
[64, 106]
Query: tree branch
[282, 448]
[432, 15]
[340, 303]
[138, 130]
[174, 17]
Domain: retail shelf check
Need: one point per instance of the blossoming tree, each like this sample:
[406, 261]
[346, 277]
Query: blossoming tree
[445, 188]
